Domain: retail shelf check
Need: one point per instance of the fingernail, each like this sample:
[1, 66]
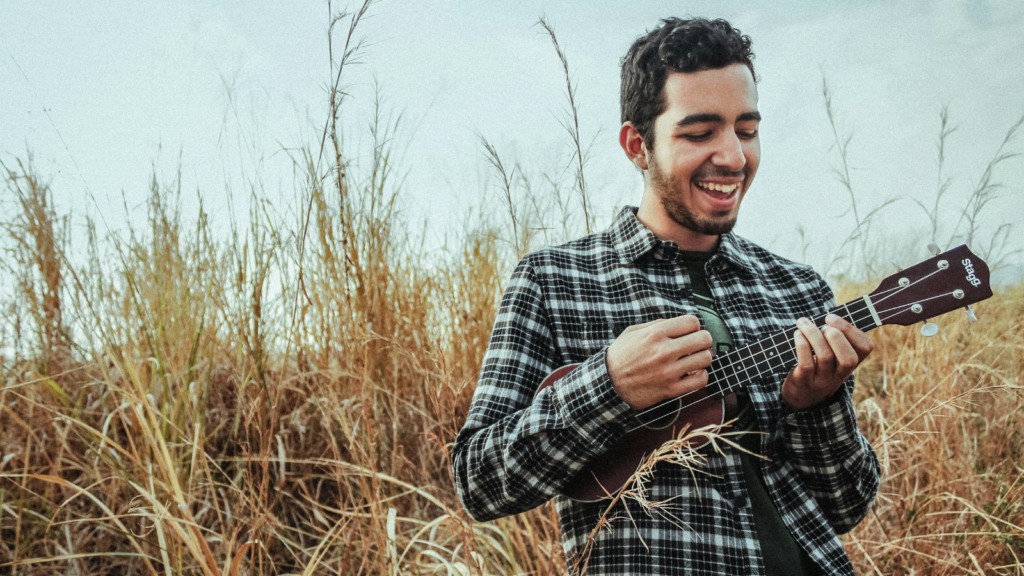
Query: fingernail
[831, 319]
[803, 321]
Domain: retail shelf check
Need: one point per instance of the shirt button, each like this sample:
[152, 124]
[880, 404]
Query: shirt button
[723, 266]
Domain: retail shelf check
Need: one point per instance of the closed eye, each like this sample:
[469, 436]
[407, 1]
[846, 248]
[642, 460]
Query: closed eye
[698, 137]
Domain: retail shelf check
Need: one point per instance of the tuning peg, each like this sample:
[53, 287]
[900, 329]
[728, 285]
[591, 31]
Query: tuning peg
[934, 248]
[970, 314]
[928, 329]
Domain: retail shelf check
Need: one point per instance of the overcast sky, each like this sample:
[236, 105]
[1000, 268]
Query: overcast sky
[101, 92]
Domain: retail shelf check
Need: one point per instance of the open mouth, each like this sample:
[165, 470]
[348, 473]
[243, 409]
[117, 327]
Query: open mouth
[721, 196]
[719, 189]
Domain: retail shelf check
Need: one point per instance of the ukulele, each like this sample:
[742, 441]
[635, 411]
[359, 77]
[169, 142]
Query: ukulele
[947, 281]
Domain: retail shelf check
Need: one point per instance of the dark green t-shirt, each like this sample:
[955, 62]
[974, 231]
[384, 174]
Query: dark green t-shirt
[781, 554]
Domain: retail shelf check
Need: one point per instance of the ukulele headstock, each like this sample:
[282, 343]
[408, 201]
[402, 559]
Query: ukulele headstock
[947, 281]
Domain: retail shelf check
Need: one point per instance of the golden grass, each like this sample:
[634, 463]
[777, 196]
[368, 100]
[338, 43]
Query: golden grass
[946, 417]
[282, 400]
[175, 420]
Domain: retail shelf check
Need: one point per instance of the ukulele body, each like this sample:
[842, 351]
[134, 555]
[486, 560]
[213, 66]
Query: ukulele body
[605, 475]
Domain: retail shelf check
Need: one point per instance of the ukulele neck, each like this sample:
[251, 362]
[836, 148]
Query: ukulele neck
[777, 353]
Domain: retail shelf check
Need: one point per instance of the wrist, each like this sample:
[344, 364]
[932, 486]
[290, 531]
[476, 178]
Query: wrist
[801, 404]
[800, 394]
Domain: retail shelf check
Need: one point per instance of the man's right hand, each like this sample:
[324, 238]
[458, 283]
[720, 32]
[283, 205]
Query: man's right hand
[659, 360]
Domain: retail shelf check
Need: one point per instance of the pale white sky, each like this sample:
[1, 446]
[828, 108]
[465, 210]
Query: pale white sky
[102, 92]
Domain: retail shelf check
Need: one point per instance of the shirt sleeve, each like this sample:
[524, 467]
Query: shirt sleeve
[519, 447]
[835, 461]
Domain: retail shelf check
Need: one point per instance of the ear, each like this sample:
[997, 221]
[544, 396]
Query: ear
[633, 145]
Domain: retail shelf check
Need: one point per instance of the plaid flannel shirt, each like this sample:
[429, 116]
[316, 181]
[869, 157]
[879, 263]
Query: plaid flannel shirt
[565, 305]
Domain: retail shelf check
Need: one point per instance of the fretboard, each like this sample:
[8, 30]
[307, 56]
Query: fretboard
[776, 353]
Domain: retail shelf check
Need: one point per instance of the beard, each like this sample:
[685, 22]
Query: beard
[665, 188]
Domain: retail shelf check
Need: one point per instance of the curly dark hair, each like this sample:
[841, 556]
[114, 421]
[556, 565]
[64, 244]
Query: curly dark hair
[676, 46]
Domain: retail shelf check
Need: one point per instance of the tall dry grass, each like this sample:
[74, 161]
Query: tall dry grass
[946, 417]
[282, 399]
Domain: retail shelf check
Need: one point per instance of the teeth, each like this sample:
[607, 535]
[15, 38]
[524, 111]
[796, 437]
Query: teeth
[719, 187]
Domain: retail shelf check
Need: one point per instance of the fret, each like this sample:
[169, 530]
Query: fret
[767, 348]
[759, 365]
[781, 342]
[716, 381]
[777, 352]
[842, 311]
[734, 377]
[849, 315]
[724, 382]
[788, 357]
[713, 373]
[738, 370]
[748, 368]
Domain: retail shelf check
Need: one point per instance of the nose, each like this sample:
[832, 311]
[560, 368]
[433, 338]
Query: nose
[729, 154]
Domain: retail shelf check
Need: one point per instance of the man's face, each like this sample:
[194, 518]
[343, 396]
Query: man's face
[706, 148]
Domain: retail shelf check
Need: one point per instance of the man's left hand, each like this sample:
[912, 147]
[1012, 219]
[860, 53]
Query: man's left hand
[838, 348]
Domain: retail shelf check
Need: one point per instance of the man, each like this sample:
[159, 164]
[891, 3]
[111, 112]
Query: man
[639, 307]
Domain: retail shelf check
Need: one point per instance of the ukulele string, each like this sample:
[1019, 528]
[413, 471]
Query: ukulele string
[885, 295]
[875, 295]
[775, 348]
[902, 288]
[892, 292]
[907, 306]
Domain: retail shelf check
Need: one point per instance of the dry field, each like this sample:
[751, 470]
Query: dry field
[282, 399]
[180, 405]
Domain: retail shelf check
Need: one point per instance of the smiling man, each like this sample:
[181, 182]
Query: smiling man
[708, 155]
[642, 308]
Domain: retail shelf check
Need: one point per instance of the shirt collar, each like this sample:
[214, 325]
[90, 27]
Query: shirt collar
[633, 240]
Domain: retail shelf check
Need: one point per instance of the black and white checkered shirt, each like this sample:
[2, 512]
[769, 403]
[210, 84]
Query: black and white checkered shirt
[565, 305]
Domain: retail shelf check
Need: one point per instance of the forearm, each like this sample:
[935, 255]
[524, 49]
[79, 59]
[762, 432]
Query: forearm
[522, 459]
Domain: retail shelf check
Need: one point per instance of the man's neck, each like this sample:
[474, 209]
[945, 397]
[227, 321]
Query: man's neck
[654, 217]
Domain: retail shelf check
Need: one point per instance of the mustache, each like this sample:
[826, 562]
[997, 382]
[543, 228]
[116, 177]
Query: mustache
[716, 172]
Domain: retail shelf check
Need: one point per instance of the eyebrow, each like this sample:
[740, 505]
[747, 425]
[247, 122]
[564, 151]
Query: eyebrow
[715, 118]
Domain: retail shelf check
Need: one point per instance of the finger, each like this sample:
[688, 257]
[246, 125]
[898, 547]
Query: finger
[692, 343]
[693, 362]
[642, 326]
[857, 338]
[690, 383]
[804, 361]
[846, 357]
[820, 346]
[679, 326]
